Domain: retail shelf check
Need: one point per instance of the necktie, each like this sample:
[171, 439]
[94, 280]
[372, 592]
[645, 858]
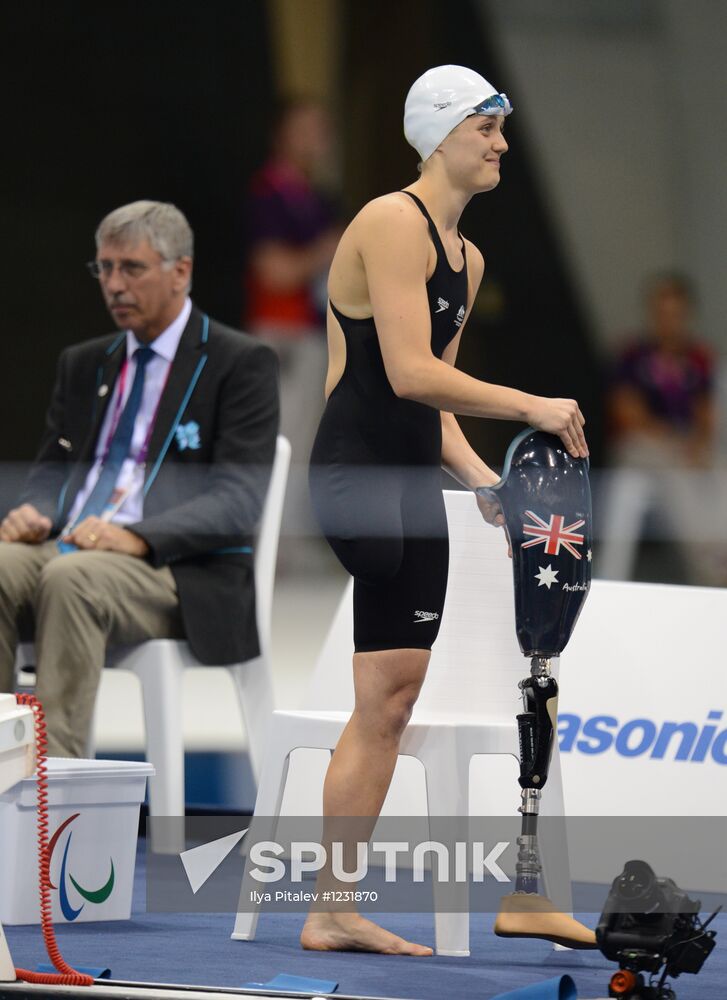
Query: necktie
[119, 446]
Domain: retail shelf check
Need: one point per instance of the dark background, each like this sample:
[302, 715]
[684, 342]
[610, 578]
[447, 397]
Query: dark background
[112, 103]
[108, 104]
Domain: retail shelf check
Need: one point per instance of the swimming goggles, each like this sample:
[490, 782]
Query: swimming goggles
[498, 104]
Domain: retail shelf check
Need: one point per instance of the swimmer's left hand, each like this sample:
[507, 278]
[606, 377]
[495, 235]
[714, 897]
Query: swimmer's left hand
[491, 510]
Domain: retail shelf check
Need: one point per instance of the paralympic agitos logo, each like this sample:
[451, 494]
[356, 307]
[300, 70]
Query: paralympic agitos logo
[95, 896]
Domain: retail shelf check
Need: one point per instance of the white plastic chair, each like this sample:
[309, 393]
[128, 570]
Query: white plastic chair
[160, 663]
[467, 706]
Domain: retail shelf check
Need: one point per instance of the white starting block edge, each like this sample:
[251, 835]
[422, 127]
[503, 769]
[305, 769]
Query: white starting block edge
[158, 991]
[154, 991]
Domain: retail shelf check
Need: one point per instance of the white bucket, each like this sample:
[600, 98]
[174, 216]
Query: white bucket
[93, 819]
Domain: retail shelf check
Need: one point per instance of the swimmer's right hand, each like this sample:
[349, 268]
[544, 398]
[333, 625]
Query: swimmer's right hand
[562, 417]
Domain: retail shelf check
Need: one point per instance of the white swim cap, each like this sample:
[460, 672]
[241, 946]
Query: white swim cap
[442, 98]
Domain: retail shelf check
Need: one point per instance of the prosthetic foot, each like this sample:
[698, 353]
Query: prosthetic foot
[545, 498]
[528, 915]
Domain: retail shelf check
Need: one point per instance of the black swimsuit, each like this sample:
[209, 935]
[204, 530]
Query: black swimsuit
[375, 478]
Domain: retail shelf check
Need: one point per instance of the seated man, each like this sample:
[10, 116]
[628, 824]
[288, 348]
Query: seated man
[137, 518]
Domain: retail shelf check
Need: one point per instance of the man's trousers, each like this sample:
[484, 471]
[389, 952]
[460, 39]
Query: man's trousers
[73, 606]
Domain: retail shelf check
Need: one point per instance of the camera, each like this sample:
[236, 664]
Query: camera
[650, 925]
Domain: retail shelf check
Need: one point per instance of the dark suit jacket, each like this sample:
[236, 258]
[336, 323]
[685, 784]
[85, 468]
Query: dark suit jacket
[207, 469]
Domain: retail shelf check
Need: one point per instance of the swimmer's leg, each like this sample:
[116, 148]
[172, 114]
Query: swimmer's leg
[387, 683]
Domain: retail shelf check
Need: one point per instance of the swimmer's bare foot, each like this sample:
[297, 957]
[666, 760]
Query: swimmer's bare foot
[351, 932]
[528, 915]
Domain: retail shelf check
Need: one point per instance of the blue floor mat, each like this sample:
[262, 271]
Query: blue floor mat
[197, 950]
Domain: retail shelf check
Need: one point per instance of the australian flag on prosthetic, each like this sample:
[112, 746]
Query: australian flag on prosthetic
[545, 497]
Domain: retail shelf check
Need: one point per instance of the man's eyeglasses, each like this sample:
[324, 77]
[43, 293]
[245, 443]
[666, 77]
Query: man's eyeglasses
[131, 269]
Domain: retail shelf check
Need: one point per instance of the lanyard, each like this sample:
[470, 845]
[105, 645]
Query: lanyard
[144, 450]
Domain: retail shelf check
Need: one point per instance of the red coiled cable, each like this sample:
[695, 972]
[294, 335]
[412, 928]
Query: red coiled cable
[68, 976]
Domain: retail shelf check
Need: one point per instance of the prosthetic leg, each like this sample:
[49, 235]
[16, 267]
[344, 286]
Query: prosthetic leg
[545, 498]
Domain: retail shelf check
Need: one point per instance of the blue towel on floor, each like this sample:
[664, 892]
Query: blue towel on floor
[97, 973]
[295, 984]
[561, 988]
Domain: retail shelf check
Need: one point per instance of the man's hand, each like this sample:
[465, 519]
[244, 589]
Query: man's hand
[492, 512]
[93, 533]
[25, 524]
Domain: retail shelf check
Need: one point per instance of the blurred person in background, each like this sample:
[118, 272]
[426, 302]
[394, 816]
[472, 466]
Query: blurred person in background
[291, 232]
[138, 515]
[662, 417]
[661, 401]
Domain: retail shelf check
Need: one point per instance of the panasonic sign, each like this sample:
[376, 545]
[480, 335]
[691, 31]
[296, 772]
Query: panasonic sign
[687, 741]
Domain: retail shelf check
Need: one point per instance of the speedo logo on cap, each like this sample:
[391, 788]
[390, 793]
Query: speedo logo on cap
[442, 105]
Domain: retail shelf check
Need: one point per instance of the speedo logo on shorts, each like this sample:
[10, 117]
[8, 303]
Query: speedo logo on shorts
[425, 616]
